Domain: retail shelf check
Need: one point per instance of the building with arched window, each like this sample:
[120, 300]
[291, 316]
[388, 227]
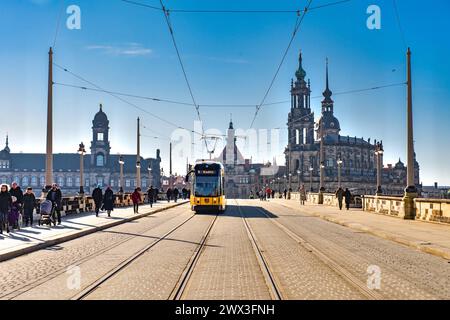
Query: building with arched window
[358, 168]
[100, 166]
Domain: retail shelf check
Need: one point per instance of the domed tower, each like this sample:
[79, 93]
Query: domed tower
[100, 147]
[300, 119]
[330, 123]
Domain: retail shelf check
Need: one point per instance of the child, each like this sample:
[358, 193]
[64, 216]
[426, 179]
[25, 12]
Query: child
[14, 212]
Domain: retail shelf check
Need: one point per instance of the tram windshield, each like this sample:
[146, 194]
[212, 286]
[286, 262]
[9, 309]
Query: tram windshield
[207, 186]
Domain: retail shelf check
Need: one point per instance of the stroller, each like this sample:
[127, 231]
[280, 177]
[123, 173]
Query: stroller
[46, 212]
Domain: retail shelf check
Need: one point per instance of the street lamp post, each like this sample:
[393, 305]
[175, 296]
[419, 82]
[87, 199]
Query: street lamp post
[339, 163]
[298, 179]
[379, 154]
[285, 182]
[121, 163]
[322, 166]
[311, 169]
[82, 152]
[138, 178]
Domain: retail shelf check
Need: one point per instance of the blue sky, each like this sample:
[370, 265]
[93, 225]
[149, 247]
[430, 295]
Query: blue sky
[230, 59]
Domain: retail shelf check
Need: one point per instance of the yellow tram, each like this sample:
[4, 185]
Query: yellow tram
[208, 187]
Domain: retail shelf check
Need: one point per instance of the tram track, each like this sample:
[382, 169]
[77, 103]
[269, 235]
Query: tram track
[327, 261]
[125, 263]
[179, 290]
[272, 284]
[54, 274]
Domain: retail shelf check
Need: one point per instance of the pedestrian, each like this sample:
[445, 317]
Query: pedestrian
[108, 201]
[151, 196]
[340, 196]
[175, 194]
[302, 192]
[29, 204]
[5, 206]
[348, 198]
[155, 195]
[169, 194]
[55, 196]
[273, 194]
[16, 192]
[14, 214]
[184, 193]
[285, 193]
[97, 196]
[136, 198]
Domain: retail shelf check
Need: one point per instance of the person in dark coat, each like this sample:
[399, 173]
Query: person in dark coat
[108, 201]
[340, 196]
[136, 198]
[348, 198]
[184, 193]
[16, 192]
[169, 194]
[29, 204]
[14, 214]
[55, 196]
[285, 193]
[151, 196]
[155, 195]
[5, 206]
[175, 194]
[97, 196]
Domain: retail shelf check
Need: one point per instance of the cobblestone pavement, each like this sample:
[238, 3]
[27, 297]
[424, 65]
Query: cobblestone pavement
[228, 268]
[406, 273]
[300, 275]
[154, 275]
[20, 276]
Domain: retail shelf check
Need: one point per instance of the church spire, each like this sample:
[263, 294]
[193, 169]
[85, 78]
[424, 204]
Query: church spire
[327, 103]
[231, 127]
[301, 73]
[7, 144]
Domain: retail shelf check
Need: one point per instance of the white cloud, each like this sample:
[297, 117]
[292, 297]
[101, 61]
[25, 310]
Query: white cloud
[129, 49]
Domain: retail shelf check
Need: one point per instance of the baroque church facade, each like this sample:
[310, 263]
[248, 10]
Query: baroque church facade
[358, 167]
[100, 166]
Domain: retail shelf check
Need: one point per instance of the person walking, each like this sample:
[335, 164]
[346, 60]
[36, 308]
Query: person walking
[169, 194]
[55, 196]
[151, 196]
[348, 198]
[108, 201]
[16, 192]
[340, 196]
[273, 194]
[285, 193]
[29, 204]
[302, 192]
[184, 193]
[136, 198]
[97, 196]
[5, 206]
[175, 194]
[155, 195]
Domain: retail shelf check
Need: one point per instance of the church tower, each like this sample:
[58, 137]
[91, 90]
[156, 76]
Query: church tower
[300, 119]
[100, 147]
[331, 126]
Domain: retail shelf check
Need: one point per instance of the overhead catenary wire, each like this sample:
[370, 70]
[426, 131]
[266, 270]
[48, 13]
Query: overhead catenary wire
[58, 23]
[294, 33]
[223, 105]
[397, 15]
[124, 100]
[233, 11]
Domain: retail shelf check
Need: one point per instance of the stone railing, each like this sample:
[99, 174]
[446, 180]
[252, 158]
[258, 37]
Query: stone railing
[436, 210]
[329, 199]
[77, 204]
[391, 206]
